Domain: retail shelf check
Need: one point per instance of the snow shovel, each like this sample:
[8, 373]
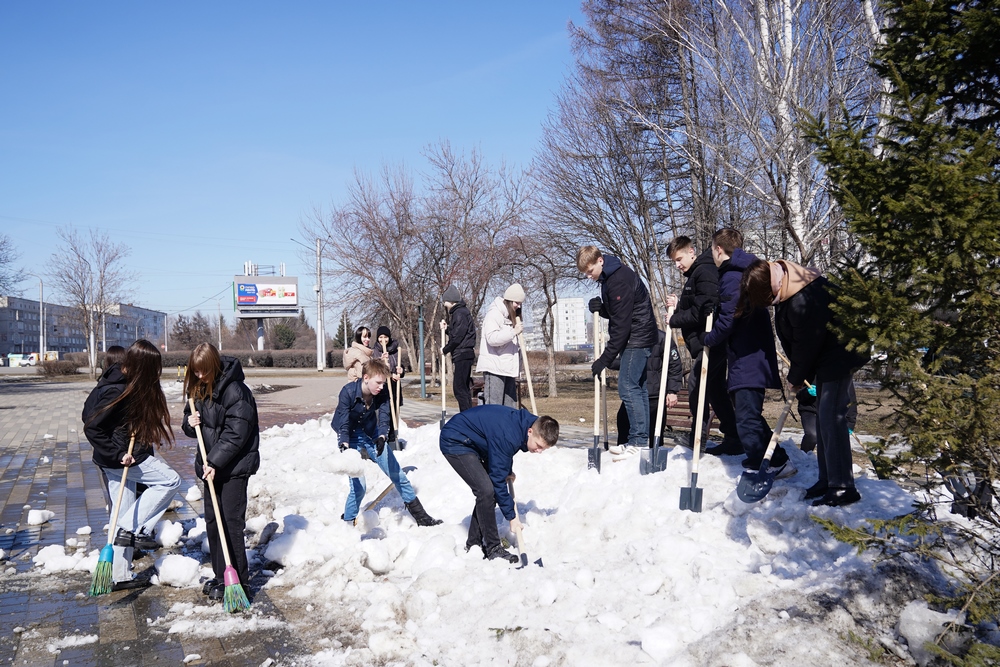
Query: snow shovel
[521, 550]
[444, 410]
[103, 578]
[394, 444]
[691, 498]
[594, 453]
[527, 371]
[753, 485]
[234, 598]
[654, 459]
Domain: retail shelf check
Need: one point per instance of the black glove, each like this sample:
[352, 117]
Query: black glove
[597, 367]
[342, 446]
[595, 304]
[380, 445]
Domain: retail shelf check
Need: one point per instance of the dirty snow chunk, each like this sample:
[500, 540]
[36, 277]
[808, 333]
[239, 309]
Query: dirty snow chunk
[38, 517]
[168, 533]
[85, 530]
[920, 625]
[47, 436]
[44, 459]
[193, 493]
[390, 645]
[73, 640]
[192, 657]
[2, 554]
[177, 570]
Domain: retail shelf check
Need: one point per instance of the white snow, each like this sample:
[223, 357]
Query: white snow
[72, 640]
[168, 533]
[85, 530]
[193, 493]
[627, 577]
[54, 558]
[919, 625]
[38, 517]
[178, 571]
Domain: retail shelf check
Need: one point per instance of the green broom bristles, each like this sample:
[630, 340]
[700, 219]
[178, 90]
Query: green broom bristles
[235, 598]
[101, 583]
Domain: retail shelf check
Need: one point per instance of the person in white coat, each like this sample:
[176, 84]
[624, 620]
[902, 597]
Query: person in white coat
[499, 350]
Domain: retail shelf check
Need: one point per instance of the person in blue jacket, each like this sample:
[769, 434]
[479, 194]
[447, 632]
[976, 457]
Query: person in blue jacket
[480, 445]
[362, 422]
[749, 341]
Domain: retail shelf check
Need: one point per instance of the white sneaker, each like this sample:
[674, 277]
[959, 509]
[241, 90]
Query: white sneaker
[617, 450]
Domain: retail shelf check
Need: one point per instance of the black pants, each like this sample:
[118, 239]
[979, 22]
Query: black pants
[810, 418]
[718, 397]
[232, 496]
[483, 523]
[460, 383]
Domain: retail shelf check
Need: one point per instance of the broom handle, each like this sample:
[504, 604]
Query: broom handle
[662, 398]
[527, 371]
[121, 494]
[702, 391]
[776, 434]
[221, 529]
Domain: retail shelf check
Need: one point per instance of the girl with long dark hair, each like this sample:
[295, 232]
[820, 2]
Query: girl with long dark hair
[138, 410]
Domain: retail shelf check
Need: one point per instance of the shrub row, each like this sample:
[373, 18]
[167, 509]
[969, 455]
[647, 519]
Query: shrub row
[56, 368]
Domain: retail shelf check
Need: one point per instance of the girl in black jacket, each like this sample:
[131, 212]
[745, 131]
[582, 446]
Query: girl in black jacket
[387, 350]
[226, 410]
[131, 403]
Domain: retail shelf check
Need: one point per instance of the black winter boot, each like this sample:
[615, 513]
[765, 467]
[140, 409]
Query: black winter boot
[419, 515]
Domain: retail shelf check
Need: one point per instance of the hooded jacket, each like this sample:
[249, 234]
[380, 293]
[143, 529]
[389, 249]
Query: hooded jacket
[229, 425]
[461, 333]
[698, 298]
[105, 428]
[626, 305]
[354, 358]
[494, 433]
[753, 363]
[803, 317]
[499, 351]
[352, 413]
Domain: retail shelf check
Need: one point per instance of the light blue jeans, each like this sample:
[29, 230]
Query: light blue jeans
[389, 465]
[142, 515]
[633, 392]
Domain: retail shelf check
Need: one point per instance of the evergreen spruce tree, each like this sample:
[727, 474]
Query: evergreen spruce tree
[922, 197]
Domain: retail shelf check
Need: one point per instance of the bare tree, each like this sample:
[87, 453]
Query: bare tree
[88, 272]
[9, 276]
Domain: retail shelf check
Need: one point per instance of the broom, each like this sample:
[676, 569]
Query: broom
[234, 598]
[102, 581]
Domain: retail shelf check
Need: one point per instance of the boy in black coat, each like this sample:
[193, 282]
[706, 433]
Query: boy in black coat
[625, 303]
[461, 345]
[699, 297]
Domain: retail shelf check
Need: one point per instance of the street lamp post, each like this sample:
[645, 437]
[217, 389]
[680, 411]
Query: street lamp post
[318, 288]
[41, 317]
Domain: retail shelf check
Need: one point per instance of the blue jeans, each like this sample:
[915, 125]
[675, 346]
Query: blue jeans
[833, 444]
[389, 465]
[751, 426]
[632, 390]
[139, 516]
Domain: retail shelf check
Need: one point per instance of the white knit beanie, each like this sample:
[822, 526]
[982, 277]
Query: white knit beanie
[515, 293]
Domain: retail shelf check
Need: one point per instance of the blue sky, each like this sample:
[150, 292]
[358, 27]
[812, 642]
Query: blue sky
[202, 134]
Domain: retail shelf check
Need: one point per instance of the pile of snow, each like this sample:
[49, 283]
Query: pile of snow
[38, 517]
[173, 391]
[169, 533]
[193, 493]
[67, 642]
[179, 571]
[627, 575]
[54, 558]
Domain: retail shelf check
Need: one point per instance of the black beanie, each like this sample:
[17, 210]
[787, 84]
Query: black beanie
[383, 331]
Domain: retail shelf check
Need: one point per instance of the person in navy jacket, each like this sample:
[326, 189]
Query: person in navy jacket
[480, 445]
[362, 422]
[749, 340]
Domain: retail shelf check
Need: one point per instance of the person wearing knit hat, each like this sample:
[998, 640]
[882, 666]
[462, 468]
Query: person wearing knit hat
[499, 349]
[461, 333]
[387, 349]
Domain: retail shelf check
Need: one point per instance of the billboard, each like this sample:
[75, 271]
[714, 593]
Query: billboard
[266, 296]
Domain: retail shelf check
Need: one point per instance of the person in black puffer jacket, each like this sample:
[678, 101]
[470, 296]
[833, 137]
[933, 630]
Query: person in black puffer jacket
[227, 413]
[461, 332]
[387, 349]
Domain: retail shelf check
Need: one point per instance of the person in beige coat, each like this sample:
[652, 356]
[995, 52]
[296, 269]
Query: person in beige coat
[499, 350]
[358, 353]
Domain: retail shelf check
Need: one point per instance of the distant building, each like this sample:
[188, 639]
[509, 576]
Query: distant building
[122, 324]
[570, 330]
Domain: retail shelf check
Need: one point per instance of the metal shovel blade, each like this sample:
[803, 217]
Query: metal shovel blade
[755, 484]
[691, 497]
[660, 459]
[594, 458]
[646, 462]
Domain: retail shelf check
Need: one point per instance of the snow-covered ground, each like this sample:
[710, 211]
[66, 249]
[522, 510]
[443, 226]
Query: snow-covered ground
[628, 577]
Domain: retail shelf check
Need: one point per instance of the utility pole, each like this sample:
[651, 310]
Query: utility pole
[320, 334]
[41, 318]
